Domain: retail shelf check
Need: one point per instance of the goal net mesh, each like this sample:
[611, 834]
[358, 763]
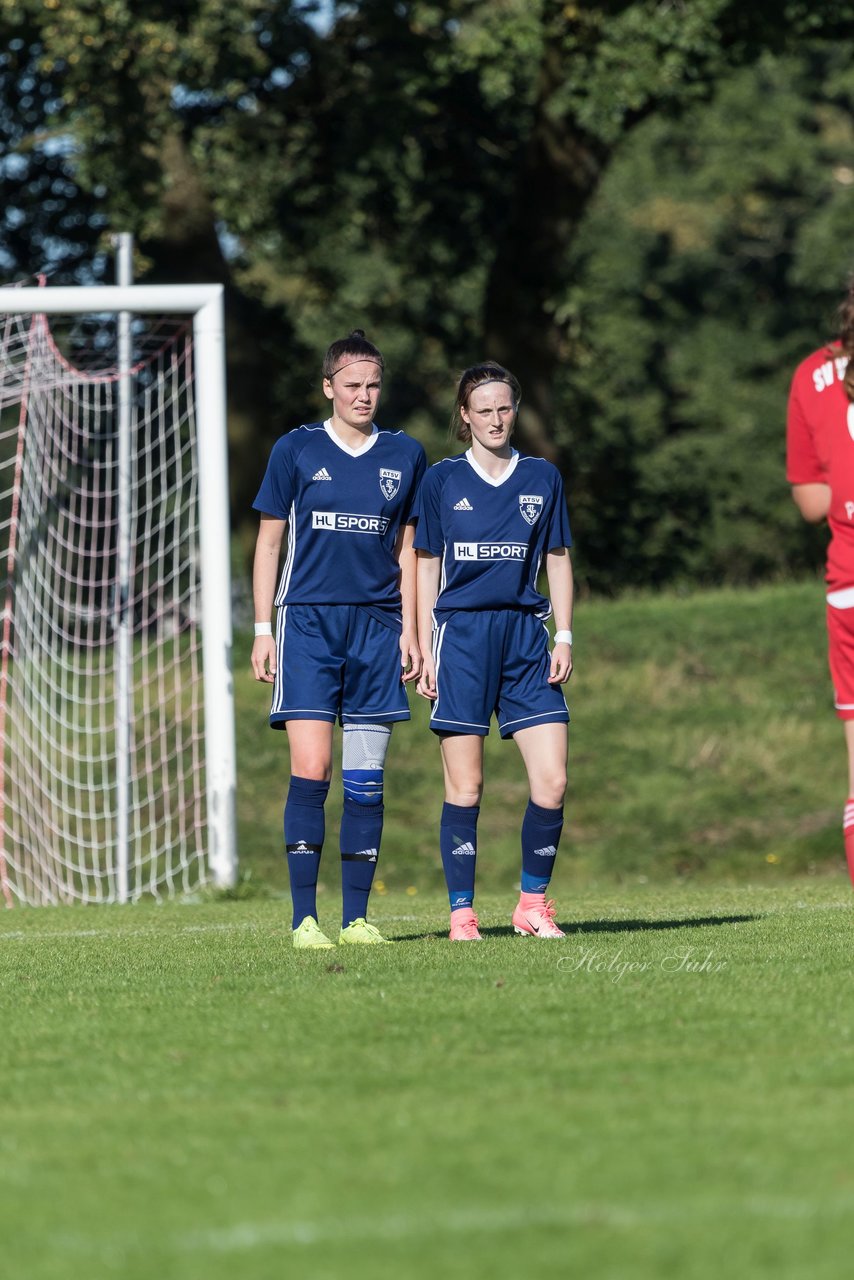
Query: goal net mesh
[102, 775]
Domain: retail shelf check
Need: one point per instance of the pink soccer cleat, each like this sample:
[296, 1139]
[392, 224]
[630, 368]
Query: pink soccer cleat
[464, 926]
[535, 916]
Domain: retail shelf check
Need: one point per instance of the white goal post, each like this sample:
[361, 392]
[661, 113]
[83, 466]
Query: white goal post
[92, 810]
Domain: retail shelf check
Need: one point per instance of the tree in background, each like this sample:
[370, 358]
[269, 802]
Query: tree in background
[126, 95]
[48, 219]
[709, 266]
[594, 193]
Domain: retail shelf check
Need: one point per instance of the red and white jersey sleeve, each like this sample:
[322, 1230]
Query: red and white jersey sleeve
[820, 450]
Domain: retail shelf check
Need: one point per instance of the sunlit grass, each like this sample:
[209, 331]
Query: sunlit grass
[666, 1092]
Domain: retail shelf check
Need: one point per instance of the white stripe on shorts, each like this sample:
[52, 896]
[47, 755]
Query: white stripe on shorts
[542, 715]
[281, 621]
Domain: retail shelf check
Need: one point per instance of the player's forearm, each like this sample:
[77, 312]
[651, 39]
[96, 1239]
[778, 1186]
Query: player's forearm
[408, 570]
[428, 569]
[561, 588]
[264, 589]
[265, 569]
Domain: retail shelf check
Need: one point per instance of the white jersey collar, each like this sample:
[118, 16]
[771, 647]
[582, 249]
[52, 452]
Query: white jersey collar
[484, 475]
[354, 453]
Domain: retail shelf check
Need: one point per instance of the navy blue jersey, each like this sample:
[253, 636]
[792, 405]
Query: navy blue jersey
[344, 508]
[491, 534]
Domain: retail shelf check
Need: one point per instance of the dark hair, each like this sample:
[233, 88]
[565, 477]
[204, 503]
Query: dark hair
[845, 316]
[477, 376]
[347, 350]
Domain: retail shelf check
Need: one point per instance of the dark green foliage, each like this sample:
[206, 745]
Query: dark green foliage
[709, 265]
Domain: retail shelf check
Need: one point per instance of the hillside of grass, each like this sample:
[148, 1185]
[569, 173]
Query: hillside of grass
[703, 746]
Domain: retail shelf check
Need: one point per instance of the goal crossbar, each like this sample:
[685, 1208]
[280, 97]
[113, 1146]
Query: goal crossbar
[204, 302]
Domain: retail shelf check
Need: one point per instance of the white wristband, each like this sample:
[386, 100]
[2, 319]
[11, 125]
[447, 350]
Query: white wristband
[263, 629]
[563, 637]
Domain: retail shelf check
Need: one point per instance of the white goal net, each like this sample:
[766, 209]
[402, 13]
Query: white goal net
[108, 675]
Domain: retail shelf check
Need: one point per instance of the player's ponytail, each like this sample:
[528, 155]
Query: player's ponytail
[476, 376]
[846, 337]
[347, 350]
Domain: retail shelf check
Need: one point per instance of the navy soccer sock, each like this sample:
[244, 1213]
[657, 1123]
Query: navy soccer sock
[458, 844]
[541, 830]
[361, 833]
[305, 827]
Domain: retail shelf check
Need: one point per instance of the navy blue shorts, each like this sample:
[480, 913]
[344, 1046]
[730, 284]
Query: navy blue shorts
[493, 660]
[336, 662]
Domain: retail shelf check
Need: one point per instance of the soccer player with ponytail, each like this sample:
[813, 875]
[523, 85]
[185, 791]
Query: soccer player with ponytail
[820, 469]
[487, 520]
[346, 639]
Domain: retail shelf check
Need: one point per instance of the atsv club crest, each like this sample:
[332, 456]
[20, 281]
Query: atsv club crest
[389, 482]
[531, 506]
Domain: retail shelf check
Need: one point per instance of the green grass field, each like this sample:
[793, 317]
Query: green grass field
[666, 1093]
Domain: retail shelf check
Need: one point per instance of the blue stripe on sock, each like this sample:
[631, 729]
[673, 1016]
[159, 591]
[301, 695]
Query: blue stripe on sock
[364, 786]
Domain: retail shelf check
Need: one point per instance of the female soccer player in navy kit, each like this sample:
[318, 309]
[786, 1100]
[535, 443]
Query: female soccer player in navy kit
[346, 636]
[487, 519]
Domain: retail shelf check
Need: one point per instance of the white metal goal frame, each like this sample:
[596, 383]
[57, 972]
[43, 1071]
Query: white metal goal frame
[204, 303]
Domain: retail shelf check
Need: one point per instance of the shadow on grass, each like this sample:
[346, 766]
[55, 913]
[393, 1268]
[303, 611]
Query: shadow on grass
[596, 926]
[628, 926]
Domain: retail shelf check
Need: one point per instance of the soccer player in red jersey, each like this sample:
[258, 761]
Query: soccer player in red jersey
[820, 469]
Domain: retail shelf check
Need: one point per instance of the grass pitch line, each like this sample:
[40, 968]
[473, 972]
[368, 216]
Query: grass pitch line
[246, 1236]
[237, 926]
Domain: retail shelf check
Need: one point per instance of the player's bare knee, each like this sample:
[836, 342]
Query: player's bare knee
[549, 792]
[466, 796]
[314, 768]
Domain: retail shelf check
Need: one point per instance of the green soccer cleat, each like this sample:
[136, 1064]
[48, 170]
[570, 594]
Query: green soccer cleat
[361, 933]
[310, 934]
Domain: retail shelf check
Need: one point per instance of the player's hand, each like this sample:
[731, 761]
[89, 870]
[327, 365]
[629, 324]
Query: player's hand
[427, 684]
[264, 659]
[561, 666]
[410, 658]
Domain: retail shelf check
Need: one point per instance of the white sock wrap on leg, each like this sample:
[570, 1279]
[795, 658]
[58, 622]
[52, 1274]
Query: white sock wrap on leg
[363, 761]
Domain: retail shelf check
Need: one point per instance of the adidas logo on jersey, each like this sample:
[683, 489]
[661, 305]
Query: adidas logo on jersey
[322, 474]
[467, 850]
[463, 505]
